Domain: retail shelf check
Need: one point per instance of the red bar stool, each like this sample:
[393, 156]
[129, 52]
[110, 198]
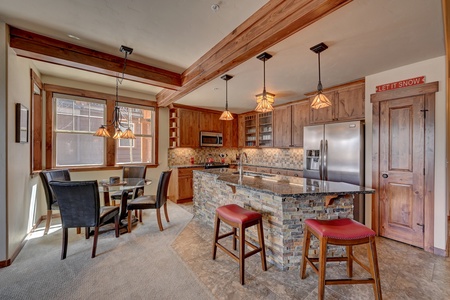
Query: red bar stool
[239, 218]
[342, 232]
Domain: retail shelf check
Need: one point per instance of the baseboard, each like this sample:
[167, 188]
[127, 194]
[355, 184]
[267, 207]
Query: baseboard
[440, 252]
[9, 261]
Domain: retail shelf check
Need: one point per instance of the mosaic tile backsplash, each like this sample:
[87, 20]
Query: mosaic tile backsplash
[270, 157]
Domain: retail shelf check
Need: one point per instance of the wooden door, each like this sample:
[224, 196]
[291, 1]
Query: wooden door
[300, 119]
[402, 130]
[282, 126]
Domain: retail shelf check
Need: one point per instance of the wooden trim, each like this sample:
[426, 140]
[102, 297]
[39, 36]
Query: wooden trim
[428, 90]
[440, 252]
[36, 123]
[350, 84]
[48, 130]
[420, 89]
[274, 22]
[38, 47]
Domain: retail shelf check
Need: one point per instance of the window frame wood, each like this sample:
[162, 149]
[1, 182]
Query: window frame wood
[36, 129]
[110, 99]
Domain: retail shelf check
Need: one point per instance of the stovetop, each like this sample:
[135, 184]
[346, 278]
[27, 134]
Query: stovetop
[213, 165]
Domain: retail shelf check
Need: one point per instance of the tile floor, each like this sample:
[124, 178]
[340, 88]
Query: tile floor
[406, 272]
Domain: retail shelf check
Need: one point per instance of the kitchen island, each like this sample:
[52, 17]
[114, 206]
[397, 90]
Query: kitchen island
[284, 201]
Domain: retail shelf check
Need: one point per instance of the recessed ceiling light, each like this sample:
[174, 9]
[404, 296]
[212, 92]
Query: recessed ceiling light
[73, 37]
[215, 7]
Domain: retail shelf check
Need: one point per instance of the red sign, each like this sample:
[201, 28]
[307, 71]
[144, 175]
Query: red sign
[400, 84]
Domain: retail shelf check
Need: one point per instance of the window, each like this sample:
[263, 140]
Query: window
[76, 120]
[141, 150]
[74, 115]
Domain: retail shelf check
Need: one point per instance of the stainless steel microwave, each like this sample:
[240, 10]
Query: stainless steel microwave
[211, 139]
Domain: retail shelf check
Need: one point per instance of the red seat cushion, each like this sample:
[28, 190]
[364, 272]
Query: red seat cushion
[236, 214]
[341, 229]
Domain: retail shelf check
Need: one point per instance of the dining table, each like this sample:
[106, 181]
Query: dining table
[125, 185]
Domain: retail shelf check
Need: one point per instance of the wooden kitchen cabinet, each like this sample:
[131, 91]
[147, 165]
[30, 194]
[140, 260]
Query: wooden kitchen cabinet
[294, 173]
[181, 184]
[288, 123]
[265, 125]
[209, 121]
[347, 104]
[263, 170]
[230, 133]
[255, 130]
[189, 128]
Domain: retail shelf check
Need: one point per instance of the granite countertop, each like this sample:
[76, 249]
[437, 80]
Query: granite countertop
[285, 186]
[197, 165]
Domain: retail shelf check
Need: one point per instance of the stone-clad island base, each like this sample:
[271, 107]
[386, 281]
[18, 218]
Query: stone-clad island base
[284, 201]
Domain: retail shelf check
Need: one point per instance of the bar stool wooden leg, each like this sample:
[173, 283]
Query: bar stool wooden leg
[373, 259]
[322, 264]
[349, 250]
[306, 243]
[261, 242]
[216, 236]
[241, 253]
[235, 237]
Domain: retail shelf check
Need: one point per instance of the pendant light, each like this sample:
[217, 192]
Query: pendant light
[226, 115]
[320, 100]
[117, 116]
[264, 100]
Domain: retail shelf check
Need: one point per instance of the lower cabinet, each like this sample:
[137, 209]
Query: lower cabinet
[180, 185]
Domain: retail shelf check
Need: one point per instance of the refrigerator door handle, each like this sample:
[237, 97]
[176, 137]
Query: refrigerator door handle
[321, 161]
[325, 157]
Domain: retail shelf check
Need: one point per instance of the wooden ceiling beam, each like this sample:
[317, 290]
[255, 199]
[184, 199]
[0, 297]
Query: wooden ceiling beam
[38, 47]
[274, 22]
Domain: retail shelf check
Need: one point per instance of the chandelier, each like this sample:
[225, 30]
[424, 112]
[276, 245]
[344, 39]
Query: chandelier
[117, 116]
[226, 115]
[264, 100]
[320, 101]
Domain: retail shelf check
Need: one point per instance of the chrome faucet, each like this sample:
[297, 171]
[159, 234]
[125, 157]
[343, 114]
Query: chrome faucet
[240, 163]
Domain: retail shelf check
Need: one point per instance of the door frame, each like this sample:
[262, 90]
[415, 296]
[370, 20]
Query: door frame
[428, 90]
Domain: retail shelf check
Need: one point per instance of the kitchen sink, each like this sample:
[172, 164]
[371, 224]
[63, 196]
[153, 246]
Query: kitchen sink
[255, 174]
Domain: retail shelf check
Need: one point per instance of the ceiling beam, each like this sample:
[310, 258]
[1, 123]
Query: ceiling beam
[274, 22]
[38, 47]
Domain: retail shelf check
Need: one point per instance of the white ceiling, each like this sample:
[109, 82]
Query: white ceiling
[364, 37]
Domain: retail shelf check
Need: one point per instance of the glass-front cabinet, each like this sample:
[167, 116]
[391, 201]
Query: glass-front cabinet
[256, 130]
[250, 131]
[265, 129]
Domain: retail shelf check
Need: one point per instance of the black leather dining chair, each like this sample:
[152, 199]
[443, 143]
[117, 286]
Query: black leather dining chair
[152, 201]
[52, 204]
[135, 172]
[79, 205]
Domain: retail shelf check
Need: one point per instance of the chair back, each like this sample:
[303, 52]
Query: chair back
[52, 175]
[163, 185]
[134, 172]
[79, 202]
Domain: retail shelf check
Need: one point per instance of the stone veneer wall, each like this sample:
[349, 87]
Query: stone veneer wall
[271, 157]
[283, 217]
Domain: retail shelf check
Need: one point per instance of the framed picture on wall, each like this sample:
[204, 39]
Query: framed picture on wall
[22, 123]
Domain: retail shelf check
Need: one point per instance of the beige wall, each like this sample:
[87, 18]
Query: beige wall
[434, 70]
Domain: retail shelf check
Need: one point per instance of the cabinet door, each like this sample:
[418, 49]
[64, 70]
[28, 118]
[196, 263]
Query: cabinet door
[189, 128]
[294, 173]
[250, 130]
[300, 119]
[350, 103]
[241, 131]
[323, 115]
[230, 133]
[282, 126]
[210, 122]
[278, 171]
[265, 124]
[263, 170]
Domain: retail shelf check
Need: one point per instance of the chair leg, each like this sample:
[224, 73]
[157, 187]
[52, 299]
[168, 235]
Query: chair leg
[322, 267]
[158, 216]
[235, 237]
[129, 221]
[349, 261]
[140, 215]
[241, 253]
[216, 236]
[165, 212]
[116, 225]
[94, 245]
[78, 230]
[305, 250]
[48, 221]
[262, 246]
[373, 259]
[86, 232]
[65, 239]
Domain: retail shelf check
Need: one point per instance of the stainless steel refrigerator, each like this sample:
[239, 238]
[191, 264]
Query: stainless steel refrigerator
[335, 152]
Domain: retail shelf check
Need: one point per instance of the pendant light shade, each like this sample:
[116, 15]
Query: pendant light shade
[320, 100]
[117, 116]
[264, 100]
[226, 115]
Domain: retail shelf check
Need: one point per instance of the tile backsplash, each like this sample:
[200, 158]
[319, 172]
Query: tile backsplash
[271, 157]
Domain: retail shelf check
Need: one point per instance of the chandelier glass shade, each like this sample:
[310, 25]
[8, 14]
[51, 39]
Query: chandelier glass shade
[265, 99]
[226, 115]
[320, 100]
[117, 123]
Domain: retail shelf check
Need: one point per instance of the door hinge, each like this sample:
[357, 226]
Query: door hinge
[424, 113]
[423, 226]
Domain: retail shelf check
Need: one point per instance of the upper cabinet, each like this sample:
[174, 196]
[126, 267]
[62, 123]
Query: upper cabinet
[347, 104]
[265, 130]
[255, 130]
[186, 124]
[288, 123]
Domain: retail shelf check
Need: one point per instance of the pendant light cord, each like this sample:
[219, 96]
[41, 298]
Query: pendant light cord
[319, 85]
[226, 95]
